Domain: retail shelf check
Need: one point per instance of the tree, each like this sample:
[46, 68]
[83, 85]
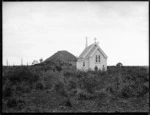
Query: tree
[119, 64]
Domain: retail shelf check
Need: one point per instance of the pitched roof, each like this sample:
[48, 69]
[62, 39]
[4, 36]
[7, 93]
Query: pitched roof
[63, 56]
[85, 51]
[89, 51]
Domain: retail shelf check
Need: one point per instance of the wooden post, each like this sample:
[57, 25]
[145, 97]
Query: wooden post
[21, 62]
[7, 62]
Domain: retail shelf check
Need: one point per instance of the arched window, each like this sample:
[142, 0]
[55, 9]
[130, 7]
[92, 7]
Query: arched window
[96, 58]
[83, 63]
[99, 58]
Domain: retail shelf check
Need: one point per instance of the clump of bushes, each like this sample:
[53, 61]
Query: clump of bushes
[39, 85]
[127, 92]
[22, 88]
[14, 102]
[71, 85]
[20, 79]
[22, 74]
[83, 95]
[48, 78]
[89, 83]
[119, 64]
[7, 92]
[17, 81]
[60, 88]
[102, 100]
[58, 68]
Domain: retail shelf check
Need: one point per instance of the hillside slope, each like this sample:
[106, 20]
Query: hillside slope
[62, 56]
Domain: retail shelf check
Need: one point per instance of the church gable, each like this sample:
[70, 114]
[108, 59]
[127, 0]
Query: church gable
[89, 51]
[85, 51]
[91, 57]
[100, 51]
[97, 56]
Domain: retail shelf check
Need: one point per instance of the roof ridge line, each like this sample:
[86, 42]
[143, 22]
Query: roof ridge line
[89, 50]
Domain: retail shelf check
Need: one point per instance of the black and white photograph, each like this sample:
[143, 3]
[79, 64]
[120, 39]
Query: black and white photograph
[77, 56]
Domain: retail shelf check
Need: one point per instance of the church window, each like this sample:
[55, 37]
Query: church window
[97, 58]
[83, 63]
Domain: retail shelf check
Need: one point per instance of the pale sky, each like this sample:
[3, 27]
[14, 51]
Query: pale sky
[34, 30]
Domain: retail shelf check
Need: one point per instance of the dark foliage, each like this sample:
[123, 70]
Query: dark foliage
[58, 68]
[39, 85]
[7, 92]
[60, 88]
[14, 102]
[67, 82]
[22, 75]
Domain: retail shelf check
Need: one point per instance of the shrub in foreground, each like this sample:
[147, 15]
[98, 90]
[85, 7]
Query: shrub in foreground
[39, 85]
[23, 75]
[7, 92]
[60, 88]
[14, 102]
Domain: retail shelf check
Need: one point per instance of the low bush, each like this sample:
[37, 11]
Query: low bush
[109, 90]
[49, 78]
[89, 83]
[23, 75]
[127, 92]
[7, 89]
[22, 88]
[14, 102]
[58, 68]
[80, 74]
[102, 100]
[60, 88]
[83, 95]
[39, 85]
[7, 92]
[141, 91]
[73, 93]
[71, 85]
[69, 73]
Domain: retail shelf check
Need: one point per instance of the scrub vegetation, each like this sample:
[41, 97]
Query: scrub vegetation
[59, 87]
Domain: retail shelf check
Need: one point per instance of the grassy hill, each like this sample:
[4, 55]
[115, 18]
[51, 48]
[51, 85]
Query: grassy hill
[60, 87]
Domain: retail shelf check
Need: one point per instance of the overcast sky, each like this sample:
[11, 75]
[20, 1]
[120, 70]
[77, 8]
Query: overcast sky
[34, 30]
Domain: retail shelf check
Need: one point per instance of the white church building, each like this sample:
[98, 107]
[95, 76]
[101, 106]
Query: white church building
[91, 57]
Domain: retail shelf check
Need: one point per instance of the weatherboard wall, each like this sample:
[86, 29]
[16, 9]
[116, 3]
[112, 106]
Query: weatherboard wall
[90, 62]
[103, 61]
[80, 65]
